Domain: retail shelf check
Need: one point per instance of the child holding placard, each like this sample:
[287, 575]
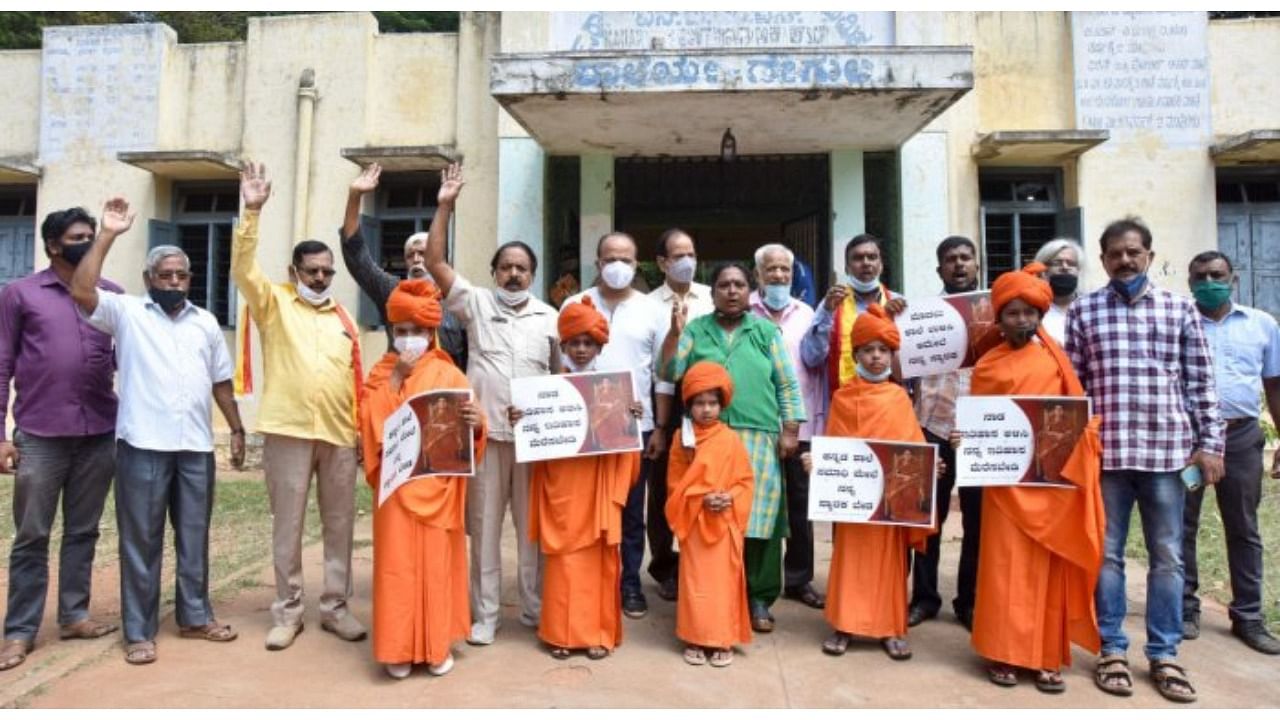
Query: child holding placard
[867, 584]
[709, 493]
[575, 514]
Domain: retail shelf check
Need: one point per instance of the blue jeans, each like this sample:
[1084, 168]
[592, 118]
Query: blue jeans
[1160, 497]
[633, 528]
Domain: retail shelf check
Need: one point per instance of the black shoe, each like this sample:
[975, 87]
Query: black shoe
[805, 594]
[635, 606]
[1254, 634]
[965, 616]
[916, 614]
[761, 619]
[1190, 625]
[668, 589]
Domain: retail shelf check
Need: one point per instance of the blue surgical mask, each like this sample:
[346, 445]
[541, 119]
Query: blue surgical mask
[1129, 289]
[875, 378]
[869, 286]
[776, 297]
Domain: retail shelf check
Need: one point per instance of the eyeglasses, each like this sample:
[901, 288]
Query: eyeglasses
[1061, 264]
[171, 275]
[316, 271]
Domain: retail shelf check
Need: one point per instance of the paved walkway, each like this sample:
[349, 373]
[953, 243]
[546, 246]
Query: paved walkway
[782, 669]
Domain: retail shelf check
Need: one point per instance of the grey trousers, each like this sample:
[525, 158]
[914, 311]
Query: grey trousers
[151, 484]
[1238, 494]
[501, 480]
[289, 464]
[78, 470]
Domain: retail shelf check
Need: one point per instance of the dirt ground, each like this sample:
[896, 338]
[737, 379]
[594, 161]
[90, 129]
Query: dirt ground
[783, 669]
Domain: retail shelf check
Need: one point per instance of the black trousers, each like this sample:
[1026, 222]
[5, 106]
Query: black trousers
[664, 561]
[1238, 495]
[924, 567]
[797, 563]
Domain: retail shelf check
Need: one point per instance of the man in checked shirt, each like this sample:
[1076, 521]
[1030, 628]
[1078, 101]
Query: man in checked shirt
[1141, 354]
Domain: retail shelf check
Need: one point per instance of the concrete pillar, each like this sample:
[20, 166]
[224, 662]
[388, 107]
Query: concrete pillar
[521, 199]
[848, 205]
[924, 193]
[477, 140]
[596, 207]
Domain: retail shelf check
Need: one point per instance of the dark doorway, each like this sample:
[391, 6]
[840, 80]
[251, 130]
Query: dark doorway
[729, 207]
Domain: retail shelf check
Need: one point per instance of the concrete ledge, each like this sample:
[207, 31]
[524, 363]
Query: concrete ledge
[185, 164]
[404, 158]
[1255, 146]
[800, 100]
[19, 170]
[1023, 147]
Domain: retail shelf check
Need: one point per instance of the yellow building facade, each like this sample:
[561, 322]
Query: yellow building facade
[743, 127]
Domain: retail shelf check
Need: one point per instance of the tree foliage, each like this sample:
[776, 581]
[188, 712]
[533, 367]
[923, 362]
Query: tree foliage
[24, 29]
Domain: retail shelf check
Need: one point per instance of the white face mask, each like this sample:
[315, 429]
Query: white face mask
[870, 377]
[411, 347]
[311, 296]
[682, 270]
[864, 287]
[617, 274]
[511, 298]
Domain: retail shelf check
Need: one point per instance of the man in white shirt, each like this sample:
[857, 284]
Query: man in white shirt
[678, 260]
[510, 334]
[172, 360]
[1062, 258]
[637, 327]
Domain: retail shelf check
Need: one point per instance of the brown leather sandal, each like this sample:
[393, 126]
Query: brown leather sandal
[14, 652]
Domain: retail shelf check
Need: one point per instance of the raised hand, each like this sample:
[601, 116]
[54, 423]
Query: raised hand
[255, 188]
[116, 218]
[451, 183]
[367, 180]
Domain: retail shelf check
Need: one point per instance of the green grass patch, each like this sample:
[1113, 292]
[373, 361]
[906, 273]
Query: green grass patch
[1211, 549]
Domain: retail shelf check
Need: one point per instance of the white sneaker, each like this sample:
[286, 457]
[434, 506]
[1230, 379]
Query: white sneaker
[398, 671]
[443, 668]
[281, 636]
[481, 634]
[528, 621]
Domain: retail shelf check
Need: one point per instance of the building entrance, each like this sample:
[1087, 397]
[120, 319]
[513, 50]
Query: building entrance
[730, 207]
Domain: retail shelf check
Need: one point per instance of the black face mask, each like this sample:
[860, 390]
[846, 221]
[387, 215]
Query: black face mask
[75, 253]
[168, 300]
[1063, 285]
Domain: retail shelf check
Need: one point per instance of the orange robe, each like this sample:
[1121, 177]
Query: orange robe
[1041, 548]
[419, 544]
[575, 515]
[867, 584]
[711, 609]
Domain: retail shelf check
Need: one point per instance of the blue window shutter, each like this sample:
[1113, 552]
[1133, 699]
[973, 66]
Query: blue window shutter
[367, 313]
[160, 232]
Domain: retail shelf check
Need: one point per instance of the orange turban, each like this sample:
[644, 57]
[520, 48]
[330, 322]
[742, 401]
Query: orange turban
[582, 317]
[706, 375]
[875, 324]
[416, 301]
[1025, 285]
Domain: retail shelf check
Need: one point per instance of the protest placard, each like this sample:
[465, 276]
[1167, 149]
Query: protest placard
[872, 481]
[939, 334]
[575, 414]
[426, 436]
[1017, 440]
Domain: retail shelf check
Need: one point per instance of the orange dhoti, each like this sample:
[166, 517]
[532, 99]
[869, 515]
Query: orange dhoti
[867, 583]
[575, 514]
[419, 544]
[1041, 547]
[711, 606]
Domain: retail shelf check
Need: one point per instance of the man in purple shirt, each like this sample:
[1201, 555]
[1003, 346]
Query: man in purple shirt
[64, 438]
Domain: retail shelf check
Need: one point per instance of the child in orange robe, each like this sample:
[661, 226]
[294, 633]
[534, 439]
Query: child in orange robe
[575, 514]
[419, 545]
[1041, 548]
[708, 506]
[867, 584]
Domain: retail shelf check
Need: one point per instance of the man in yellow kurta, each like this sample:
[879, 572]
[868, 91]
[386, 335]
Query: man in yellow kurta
[307, 415]
[1041, 548]
[419, 537]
